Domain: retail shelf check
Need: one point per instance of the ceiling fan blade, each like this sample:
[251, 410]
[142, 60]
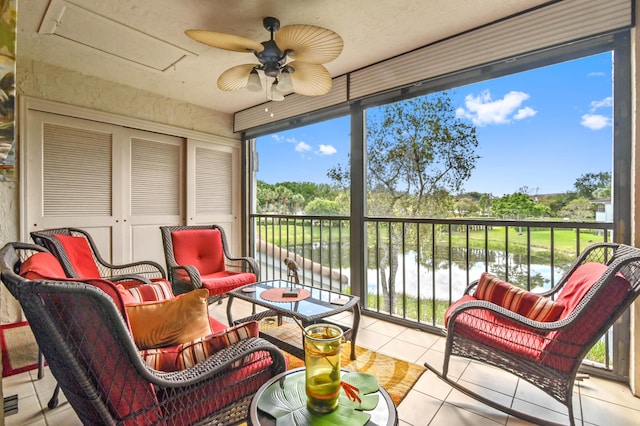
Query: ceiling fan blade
[225, 41]
[311, 44]
[310, 79]
[235, 78]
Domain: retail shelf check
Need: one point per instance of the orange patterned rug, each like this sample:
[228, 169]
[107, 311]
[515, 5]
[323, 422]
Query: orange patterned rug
[395, 375]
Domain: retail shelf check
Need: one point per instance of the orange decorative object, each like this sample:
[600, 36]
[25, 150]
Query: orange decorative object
[275, 295]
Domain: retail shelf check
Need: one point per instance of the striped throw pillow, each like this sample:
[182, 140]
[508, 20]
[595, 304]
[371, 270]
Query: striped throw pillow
[515, 299]
[154, 292]
[189, 354]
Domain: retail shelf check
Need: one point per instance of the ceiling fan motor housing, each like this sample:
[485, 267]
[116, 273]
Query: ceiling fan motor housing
[272, 58]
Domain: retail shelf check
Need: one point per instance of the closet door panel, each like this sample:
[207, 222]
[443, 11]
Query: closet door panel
[213, 188]
[69, 176]
[154, 192]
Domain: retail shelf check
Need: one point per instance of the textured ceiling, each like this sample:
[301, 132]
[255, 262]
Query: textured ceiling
[141, 43]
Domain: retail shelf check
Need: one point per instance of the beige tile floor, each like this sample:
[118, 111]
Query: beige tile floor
[430, 402]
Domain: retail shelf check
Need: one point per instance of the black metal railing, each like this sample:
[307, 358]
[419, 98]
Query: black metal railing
[415, 268]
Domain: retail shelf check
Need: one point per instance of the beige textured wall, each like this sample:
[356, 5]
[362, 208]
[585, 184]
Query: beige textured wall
[9, 308]
[53, 83]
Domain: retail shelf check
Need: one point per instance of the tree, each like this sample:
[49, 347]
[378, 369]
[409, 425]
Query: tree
[589, 183]
[517, 205]
[484, 203]
[464, 206]
[579, 209]
[322, 207]
[297, 201]
[556, 202]
[418, 151]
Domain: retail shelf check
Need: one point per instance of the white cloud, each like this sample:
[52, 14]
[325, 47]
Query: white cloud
[596, 74]
[326, 150]
[524, 113]
[302, 147]
[595, 121]
[606, 102]
[278, 138]
[483, 109]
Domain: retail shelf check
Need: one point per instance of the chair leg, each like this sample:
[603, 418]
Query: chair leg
[40, 365]
[53, 402]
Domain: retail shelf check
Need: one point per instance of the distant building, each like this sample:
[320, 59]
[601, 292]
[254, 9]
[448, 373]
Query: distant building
[604, 209]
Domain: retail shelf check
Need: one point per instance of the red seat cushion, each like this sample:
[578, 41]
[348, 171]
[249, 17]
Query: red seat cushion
[201, 248]
[80, 255]
[223, 282]
[483, 326]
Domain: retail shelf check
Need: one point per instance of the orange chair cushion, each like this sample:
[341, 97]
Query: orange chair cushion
[42, 266]
[170, 322]
[189, 354]
[80, 255]
[515, 299]
[201, 248]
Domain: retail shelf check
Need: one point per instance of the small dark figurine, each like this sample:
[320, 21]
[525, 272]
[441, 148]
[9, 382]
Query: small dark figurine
[292, 270]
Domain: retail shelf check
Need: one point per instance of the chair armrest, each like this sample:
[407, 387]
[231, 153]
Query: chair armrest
[195, 281]
[471, 287]
[244, 264]
[218, 363]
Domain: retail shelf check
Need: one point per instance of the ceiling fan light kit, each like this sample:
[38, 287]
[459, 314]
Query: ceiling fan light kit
[307, 46]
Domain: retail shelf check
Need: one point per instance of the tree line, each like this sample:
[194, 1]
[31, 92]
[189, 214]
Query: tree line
[330, 200]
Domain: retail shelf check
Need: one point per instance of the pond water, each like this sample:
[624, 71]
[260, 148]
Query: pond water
[451, 277]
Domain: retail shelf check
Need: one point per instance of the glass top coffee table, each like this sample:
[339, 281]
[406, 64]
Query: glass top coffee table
[314, 308]
[384, 414]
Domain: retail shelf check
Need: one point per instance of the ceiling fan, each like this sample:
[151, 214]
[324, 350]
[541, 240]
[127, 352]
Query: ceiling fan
[307, 45]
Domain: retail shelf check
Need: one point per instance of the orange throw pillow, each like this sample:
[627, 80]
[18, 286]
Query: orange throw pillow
[170, 322]
[515, 299]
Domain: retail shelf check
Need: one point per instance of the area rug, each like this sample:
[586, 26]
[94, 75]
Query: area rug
[395, 375]
[19, 348]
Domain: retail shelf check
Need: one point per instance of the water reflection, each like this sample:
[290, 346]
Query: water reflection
[454, 268]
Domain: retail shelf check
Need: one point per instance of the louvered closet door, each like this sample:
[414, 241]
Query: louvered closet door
[213, 188]
[69, 176]
[117, 183]
[155, 195]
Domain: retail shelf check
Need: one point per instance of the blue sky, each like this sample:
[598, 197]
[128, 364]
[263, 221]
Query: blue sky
[541, 129]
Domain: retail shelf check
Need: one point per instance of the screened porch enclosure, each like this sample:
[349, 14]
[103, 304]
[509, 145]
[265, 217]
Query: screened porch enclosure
[409, 268]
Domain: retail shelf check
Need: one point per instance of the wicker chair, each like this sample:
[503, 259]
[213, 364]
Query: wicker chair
[597, 289]
[80, 258]
[84, 336]
[199, 256]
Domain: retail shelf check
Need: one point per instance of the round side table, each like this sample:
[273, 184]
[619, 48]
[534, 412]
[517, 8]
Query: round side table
[385, 412]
